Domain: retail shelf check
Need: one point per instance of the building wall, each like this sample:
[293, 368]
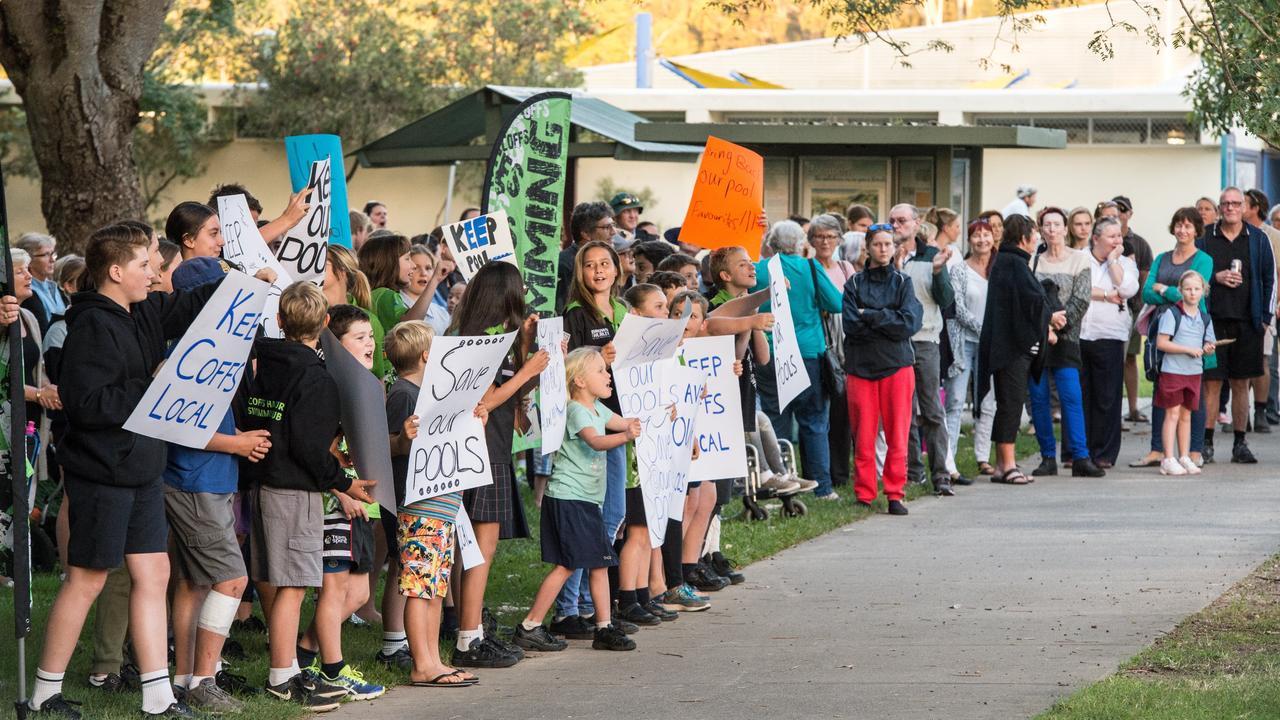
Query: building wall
[670, 184]
[1159, 180]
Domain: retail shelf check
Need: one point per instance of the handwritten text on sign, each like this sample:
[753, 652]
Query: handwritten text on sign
[450, 452]
[195, 386]
[642, 339]
[468, 547]
[243, 245]
[553, 397]
[480, 241]
[719, 430]
[302, 251]
[793, 379]
[727, 200]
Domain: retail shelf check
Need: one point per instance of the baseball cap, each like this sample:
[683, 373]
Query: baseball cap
[1125, 204]
[197, 271]
[625, 201]
[622, 244]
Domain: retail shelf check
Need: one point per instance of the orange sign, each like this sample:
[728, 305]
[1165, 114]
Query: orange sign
[727, 199]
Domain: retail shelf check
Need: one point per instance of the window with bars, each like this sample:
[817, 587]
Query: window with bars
[1108, 131]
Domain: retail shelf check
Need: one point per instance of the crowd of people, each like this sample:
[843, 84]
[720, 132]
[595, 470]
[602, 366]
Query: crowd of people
[906, 328]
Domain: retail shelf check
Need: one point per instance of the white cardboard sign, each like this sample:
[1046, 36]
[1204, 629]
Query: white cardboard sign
[641, 339]
[553, 395]
[787, 363]
[480, 241]
[244, 246]
[305, 245]
[188, 398]
[719, 430]
[450, 452]
[468, 548]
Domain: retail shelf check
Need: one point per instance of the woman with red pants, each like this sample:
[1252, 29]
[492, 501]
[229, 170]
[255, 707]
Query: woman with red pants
[880, 315]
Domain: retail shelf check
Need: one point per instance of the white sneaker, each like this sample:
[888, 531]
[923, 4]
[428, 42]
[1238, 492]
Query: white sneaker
[1190, 465]
[1169, 466]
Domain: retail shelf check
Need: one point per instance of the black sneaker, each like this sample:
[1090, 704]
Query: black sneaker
[961, 480]
[131, 676]
[573, 627]
[484, 654]
[232, 650]
[300, 691]
[1207, 453]
[505, 646]
[896, 507]
[538, 638]
[1085, 467]
[251, 624]
[635, 613]
[1242, 455]
[611, 638]
[1260, 424]
[942, 486]
[725, 569]
[704, 581]
[112, 683]
[177, 710]
[58, 706]
[401, 658]
[235, 684]
[488, 622]
[1048, 467]
[655, 609]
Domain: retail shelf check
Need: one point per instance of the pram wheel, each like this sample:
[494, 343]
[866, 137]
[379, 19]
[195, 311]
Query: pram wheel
[760, 513]
[794, 508]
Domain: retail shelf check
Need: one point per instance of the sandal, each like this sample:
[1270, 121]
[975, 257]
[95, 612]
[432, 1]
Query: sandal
[1012, 477]
[1148, 460]
[438, 681]
[1137, 417]
[985, 468]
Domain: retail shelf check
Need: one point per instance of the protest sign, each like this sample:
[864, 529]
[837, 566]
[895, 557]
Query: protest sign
[450, 452]
[479, 241]
[303, 248]
[553, 393]
[793, 379]
[719, 430]
[641, 339]
[727, 200]
[468, 548]
[525, 178]
[665, 447]
[304, 150]
[243, 245]
[193, 389]
[364, 418]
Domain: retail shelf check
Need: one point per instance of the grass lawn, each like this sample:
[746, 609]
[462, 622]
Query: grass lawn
[1222, 662]
[515, 577]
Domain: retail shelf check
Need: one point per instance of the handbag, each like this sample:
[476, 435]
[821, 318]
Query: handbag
[832, 358]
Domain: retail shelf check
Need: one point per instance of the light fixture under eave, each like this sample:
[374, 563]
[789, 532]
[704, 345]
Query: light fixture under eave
[1176, 137]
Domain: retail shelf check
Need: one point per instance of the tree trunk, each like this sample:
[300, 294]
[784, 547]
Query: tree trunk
[78, 65]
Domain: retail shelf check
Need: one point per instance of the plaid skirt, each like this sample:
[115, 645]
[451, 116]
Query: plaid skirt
[498, 503]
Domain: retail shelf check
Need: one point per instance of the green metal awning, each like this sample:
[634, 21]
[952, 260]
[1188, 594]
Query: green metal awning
[467, 129]
[854, 135]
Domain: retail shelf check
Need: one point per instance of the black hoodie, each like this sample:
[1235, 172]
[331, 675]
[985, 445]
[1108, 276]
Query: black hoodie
[107, 363]
[293, 397]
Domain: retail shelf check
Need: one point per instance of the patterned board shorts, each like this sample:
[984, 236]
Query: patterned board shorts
[426, 556]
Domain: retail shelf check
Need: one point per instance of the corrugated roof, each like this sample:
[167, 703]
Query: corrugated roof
[451, 132]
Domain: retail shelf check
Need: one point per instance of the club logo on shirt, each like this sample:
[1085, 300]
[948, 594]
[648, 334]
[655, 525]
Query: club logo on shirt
[600, 333]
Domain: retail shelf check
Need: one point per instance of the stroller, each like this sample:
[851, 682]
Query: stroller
[753, 493]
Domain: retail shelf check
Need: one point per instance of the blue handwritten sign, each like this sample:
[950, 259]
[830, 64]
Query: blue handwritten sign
[719, 429]
[195, 386]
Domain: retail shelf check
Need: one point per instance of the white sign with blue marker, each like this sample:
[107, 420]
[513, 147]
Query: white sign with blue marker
[553, 393]
[480, 241]
[195, 386]
[719, 431]
[243, 246]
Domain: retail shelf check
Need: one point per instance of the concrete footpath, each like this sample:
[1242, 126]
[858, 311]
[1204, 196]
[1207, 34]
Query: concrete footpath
[991, 604]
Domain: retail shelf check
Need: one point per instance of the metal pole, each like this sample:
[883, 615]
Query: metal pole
[448, 197]
[644, 50]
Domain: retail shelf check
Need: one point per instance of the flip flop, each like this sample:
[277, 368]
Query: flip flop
[1145, 463]
[985, 468]
[1012, 477]
[436, 681]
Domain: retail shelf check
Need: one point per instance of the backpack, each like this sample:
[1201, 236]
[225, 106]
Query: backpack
[1152, 356]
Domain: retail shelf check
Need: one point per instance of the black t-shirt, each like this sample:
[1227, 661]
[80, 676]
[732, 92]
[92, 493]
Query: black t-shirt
[1229, 303]
[585, 330]
[1137, 248]
[30, 358]
[402, 399]
[501, 427]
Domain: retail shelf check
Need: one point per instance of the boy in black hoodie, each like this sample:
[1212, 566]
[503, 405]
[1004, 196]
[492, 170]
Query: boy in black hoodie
[116, 339]
[294, 398]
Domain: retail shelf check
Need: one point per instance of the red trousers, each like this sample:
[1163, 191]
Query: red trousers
[873, 403]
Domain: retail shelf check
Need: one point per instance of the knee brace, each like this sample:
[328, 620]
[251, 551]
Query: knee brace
[218, 612]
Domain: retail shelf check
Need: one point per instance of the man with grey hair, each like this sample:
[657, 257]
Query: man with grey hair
[810, 293]
[1022, 203]
[927, 268]
[47, 299]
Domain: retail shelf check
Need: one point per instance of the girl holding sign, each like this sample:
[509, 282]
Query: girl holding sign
[574, 536]
[494, 305]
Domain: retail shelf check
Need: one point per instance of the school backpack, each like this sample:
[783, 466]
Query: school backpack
[1151, 354]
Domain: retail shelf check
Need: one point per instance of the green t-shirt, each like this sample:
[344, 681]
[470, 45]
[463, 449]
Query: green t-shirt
[388, 306]
[579, 471]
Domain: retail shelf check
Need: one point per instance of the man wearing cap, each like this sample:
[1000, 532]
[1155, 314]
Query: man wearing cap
[589, 221]
[1021, 205]
[1137, 249]
[626, 213]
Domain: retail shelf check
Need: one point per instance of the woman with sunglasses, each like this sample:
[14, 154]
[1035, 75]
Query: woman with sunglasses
[969, 282]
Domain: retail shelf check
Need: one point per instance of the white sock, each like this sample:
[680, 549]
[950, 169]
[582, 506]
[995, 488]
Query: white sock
[279, 676]
[218, 668]
[601, 625]
[393, 641]
[96, 679]
[47, 685]
[182, 680]
[465, 637]
[196, 680]
[528, 624]
[157, 693]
